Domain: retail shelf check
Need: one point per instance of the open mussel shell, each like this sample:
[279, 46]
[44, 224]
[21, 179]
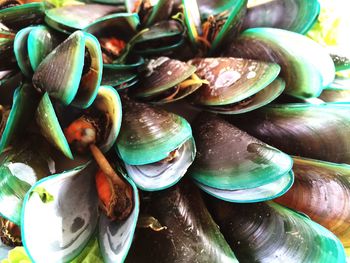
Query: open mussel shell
[77, 73]
[293, 15]
[322, 191]
[234, 166]
[69, 18]
[234, 84]
[306, 67]
[175, 226]
[156, 146]
[315, 131]
[25, 101]
[107, 104]
[160, 80]
[227, 19]
[20, 16]
[32, 45]
[162, 37]
[21, 165]
[268, 232]
[69, 202]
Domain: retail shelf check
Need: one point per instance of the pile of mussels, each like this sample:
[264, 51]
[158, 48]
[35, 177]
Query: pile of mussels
[172, 131]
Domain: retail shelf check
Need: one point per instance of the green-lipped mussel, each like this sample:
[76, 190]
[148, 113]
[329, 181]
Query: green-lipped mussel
[236, 167]
[322, 191]
[268, 232]
[156, 146]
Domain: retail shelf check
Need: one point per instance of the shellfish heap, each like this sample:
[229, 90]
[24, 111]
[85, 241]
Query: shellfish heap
[172, 131]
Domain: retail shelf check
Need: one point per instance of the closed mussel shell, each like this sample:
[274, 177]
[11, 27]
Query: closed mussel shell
[234, 84]
[308, 130]
[236, 167]
[306, 67]
[156, 146]
[322, 191]
[174, 228]
[77, 73]
[293, 15]
[268, 232]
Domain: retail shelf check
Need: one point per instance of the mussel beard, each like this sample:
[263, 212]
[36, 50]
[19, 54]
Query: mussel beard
[212, 26]
[168, 171]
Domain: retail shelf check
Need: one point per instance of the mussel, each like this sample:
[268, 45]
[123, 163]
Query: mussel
[293, 15]
[236, 85]
[175, 226]
[166, 80]
[69, 201]
[308, 130]
[77, 73]
[156, 146]
[268, 232]
[213, 23]
[306, 66]
[236, 167]
[322, 191]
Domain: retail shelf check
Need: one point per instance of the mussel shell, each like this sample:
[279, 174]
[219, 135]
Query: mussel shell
[50, 127]
[162, 74]
[230, 159]
[31, 46]
[149, 134]
[305, 66]
[21, 166]
[190, 234]
[69, 202]
[66, 81]
[163, 174]
[60, 214]
[322, 191]
[162, 37]
[268, 232]
[252, 195]
[315, 131]
[9, 81]
[18, 17]
[25, 101]
[67, 19]
[260, 99]
[293, 15]
[231, 79]
[108, 101]
[121, 25]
